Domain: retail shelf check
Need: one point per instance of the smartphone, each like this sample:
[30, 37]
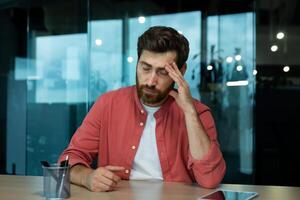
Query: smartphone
[229, 195]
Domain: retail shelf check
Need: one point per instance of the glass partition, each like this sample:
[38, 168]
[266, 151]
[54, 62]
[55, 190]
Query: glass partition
[228, 87]
[106, 72]
[77, 50]
[55, 79]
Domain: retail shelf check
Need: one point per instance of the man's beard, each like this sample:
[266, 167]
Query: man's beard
[153, 96]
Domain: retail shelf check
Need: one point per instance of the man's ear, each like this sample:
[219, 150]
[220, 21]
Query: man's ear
[183, 69]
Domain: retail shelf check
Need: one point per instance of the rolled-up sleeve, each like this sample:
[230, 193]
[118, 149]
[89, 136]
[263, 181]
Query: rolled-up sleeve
[84, 145]
[210, 170]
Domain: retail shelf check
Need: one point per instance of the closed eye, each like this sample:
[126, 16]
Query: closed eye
[146, 68]
[163, 72]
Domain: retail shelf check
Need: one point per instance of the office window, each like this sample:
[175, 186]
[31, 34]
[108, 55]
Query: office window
[228, 87]
[80, 51]
[106, 71]
[61, 71]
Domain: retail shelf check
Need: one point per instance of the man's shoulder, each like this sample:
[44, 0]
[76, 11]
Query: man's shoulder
[115, 98]
[200, 107]
[118, 94]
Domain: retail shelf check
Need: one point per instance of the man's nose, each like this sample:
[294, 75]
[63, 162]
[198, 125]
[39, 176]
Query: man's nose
[152, 79]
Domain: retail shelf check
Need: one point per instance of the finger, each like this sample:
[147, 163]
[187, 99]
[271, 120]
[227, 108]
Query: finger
[179, 80]
[109, 182]
[170, 68]
[105, 177]
[171, 71]
[112, 176]
[176, 69]
[115, 168]
[103, 187]
[98, 186]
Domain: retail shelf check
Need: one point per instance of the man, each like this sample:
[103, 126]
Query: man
[149, 131]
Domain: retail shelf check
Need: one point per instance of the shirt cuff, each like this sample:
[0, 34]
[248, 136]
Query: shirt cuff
[74, 161]
[210, 160]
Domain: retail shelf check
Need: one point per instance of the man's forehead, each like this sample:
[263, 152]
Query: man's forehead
[171, 53]
[156, 59]
[158, 66]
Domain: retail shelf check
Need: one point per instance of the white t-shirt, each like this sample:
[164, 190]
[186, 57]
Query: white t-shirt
[146, 164]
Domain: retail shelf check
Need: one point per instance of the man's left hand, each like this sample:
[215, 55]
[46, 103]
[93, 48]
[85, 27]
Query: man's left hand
[183, 97]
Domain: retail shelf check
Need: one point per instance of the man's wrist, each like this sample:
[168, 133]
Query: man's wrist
[190, 110]
[85, 173]
[80, 174]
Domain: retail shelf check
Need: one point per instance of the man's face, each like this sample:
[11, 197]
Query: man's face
[153, 81]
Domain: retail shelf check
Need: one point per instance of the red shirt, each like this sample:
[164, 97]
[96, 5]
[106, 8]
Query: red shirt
[112, 130]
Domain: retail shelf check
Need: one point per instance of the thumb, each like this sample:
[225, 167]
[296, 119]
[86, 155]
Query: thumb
[173, 94]
[114, 168]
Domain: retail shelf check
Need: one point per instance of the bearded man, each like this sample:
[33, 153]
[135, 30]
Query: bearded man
[150, 130]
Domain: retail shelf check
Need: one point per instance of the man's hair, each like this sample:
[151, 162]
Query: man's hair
[161, 39]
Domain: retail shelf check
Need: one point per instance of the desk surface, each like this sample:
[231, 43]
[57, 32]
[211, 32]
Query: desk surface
[31, 188]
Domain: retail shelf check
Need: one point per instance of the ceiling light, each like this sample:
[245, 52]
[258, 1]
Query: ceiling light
[280, 35]
[254, 72]
[229, 59]
[130, 59]
[209, 67]
[238, 57]
[98, 42]
[286, 68]
[239, 68]
[274, 48]
[237, 83]
[142, 19]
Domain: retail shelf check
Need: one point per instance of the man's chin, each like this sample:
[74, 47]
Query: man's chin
[148, 100]
[154, 101]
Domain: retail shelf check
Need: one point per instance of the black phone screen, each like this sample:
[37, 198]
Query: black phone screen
[229, 195]
[218, 195]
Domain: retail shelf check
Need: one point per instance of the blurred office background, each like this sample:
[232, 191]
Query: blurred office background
[57, 57]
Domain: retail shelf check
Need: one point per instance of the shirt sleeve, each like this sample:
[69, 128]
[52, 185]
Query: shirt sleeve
[84, 145]
[210, 170]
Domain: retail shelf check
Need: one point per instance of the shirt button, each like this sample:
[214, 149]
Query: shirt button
[126, 171]
[133, 147]
[142, 111]
[141, 124]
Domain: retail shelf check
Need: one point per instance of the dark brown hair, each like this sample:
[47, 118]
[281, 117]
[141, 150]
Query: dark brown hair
[162, 39]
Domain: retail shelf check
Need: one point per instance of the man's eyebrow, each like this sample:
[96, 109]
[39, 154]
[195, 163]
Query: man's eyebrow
[149, 65]
[145, 63]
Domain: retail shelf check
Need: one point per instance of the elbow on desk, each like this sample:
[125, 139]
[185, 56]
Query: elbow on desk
[209, 184]
[213, 179]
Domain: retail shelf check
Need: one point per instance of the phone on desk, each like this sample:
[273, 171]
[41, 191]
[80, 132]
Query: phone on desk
[229, 195]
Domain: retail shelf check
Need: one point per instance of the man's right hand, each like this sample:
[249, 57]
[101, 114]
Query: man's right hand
[102, 179]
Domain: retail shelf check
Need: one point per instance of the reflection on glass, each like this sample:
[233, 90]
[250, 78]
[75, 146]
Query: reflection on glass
[286, 68]
[233, 56]
[106, 59]
[61, 68]
[64, 72]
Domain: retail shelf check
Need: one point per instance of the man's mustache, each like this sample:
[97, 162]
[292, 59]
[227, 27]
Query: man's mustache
[149, 87]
